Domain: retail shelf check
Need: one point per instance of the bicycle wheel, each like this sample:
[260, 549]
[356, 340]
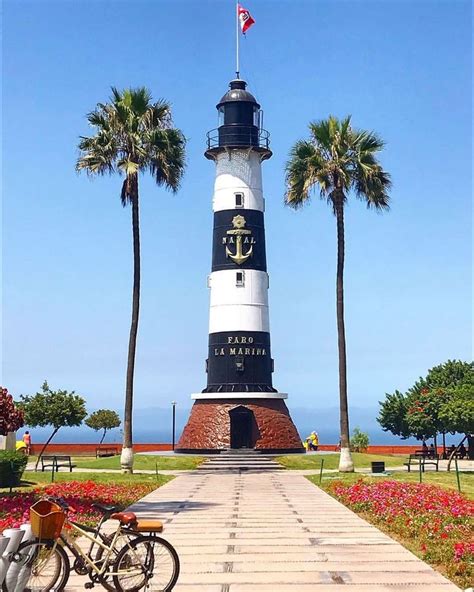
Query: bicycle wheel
[38, 566]
[106, 579]
[149, 563]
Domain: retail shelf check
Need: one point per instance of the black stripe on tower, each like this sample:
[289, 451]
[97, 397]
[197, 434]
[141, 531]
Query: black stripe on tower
[238, 240]
[239, 361]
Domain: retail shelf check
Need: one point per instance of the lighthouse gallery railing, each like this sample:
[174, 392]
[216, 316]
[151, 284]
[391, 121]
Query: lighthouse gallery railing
[228, 135]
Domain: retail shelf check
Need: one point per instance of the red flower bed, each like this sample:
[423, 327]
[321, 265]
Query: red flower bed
[438, 522]
[80, 495]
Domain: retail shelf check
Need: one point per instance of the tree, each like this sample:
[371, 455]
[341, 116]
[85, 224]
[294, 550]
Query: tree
[448, 375]
[133, 136]
[392, 415]
[422, 415]
[52, 408]
[11, 417]
[338, 160]
[434, 404]
[103, 419]
[359, 440]
[429, 393]
[458, 414]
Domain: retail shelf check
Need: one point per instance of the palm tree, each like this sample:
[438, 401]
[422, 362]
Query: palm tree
[133, 135]
[338, 159]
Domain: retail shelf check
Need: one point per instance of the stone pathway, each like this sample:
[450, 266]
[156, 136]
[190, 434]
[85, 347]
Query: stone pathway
[276, 532]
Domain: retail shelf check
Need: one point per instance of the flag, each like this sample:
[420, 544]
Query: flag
[246, 21]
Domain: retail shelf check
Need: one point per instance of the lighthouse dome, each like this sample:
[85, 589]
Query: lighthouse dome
[238, 92]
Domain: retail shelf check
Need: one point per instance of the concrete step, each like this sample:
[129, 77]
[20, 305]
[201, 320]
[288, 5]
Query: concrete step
[240, 459]
[240, 462]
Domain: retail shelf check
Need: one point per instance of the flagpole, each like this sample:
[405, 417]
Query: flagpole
[237, 66]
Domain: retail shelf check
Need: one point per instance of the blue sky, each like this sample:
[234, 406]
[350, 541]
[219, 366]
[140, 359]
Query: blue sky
[400, 67]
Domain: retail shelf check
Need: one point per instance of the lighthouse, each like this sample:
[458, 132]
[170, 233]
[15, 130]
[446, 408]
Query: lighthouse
[239, 407]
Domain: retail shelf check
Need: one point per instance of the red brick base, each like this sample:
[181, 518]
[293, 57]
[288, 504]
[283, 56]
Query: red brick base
[208, 427]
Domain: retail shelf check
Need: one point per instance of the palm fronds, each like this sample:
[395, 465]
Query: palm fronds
[133, 135]
[337, 159]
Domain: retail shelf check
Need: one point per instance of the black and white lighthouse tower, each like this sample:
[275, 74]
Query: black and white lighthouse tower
[239, 408]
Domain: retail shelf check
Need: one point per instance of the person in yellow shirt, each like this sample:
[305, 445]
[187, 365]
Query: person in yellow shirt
[313, 441]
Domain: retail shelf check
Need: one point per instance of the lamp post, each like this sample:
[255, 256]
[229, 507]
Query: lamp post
[173, 403]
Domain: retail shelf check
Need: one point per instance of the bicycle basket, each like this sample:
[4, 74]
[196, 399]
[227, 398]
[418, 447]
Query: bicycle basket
[47, 519]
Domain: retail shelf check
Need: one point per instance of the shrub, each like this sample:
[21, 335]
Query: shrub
[12, 465]
[359, 441]
[11, 418]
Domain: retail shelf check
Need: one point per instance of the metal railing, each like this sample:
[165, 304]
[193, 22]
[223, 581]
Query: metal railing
[244, 136]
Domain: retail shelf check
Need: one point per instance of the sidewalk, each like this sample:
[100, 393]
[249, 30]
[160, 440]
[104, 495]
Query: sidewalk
[276, 532]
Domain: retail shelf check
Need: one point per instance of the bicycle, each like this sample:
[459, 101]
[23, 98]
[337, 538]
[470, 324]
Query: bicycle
[133, 558]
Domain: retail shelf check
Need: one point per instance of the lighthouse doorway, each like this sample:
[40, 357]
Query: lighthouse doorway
[242, 428]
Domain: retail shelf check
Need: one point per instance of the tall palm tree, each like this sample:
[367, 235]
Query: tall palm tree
[338, 159]
[133, 135]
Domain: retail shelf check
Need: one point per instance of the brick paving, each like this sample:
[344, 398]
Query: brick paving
[276, 532]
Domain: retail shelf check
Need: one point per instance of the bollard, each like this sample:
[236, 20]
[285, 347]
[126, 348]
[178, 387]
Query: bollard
[19, 578]
[15, 535]
[321, 471]
[457, 474]
[4, 563]
[12, 578]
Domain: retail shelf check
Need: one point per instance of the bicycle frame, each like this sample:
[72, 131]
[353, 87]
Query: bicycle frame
[93, 534]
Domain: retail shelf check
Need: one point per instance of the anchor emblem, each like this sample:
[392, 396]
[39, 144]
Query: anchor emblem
[239, 231]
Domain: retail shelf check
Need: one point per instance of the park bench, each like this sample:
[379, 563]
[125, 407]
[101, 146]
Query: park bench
[421, 459]
[106, 451]
[56, 461]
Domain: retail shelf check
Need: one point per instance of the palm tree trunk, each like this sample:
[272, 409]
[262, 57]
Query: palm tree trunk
[126, 459]
[345, 460]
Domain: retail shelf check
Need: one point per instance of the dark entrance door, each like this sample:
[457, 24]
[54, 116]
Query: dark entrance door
[242, 428]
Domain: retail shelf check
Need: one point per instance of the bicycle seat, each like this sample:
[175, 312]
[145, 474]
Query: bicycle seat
[148, 526]
[126, 518]
[105, 509]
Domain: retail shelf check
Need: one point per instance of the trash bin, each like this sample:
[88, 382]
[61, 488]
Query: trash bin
[378, 466]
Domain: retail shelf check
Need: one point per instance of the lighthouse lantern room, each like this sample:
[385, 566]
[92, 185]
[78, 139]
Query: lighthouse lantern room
[239, 408]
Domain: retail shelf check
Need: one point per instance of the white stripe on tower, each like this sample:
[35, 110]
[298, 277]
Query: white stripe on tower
[238, 302]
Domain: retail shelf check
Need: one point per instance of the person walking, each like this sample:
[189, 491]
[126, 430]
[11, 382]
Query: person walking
[27, 441]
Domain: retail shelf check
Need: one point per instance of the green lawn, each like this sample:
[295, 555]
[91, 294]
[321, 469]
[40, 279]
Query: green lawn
[442, 478]
[142, 461]
[331, 461]
[33, 479]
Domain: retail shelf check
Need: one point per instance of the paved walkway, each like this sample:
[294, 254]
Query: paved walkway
[276, 532]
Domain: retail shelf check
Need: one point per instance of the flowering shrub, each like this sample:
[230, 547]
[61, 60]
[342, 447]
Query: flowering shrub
[80, 495]
[11, 418]
[438, 522]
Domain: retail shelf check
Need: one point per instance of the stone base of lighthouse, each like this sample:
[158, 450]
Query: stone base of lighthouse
[263, 424]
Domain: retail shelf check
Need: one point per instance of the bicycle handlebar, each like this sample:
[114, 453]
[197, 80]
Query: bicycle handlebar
[62, 503]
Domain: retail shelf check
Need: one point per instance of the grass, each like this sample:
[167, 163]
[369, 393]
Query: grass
[142, 462]
[443, 479]
[331, 461]
[32, 479]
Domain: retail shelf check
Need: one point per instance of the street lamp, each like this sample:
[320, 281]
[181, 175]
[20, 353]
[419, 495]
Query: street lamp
[173, 403]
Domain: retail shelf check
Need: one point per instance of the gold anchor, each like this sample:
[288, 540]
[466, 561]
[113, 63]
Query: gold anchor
[238, 231]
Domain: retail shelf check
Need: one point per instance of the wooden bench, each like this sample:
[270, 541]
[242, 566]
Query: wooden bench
[418, 459]
[106, 451]
[56, 461]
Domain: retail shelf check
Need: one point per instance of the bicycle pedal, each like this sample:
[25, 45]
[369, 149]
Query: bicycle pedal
[89, 585]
